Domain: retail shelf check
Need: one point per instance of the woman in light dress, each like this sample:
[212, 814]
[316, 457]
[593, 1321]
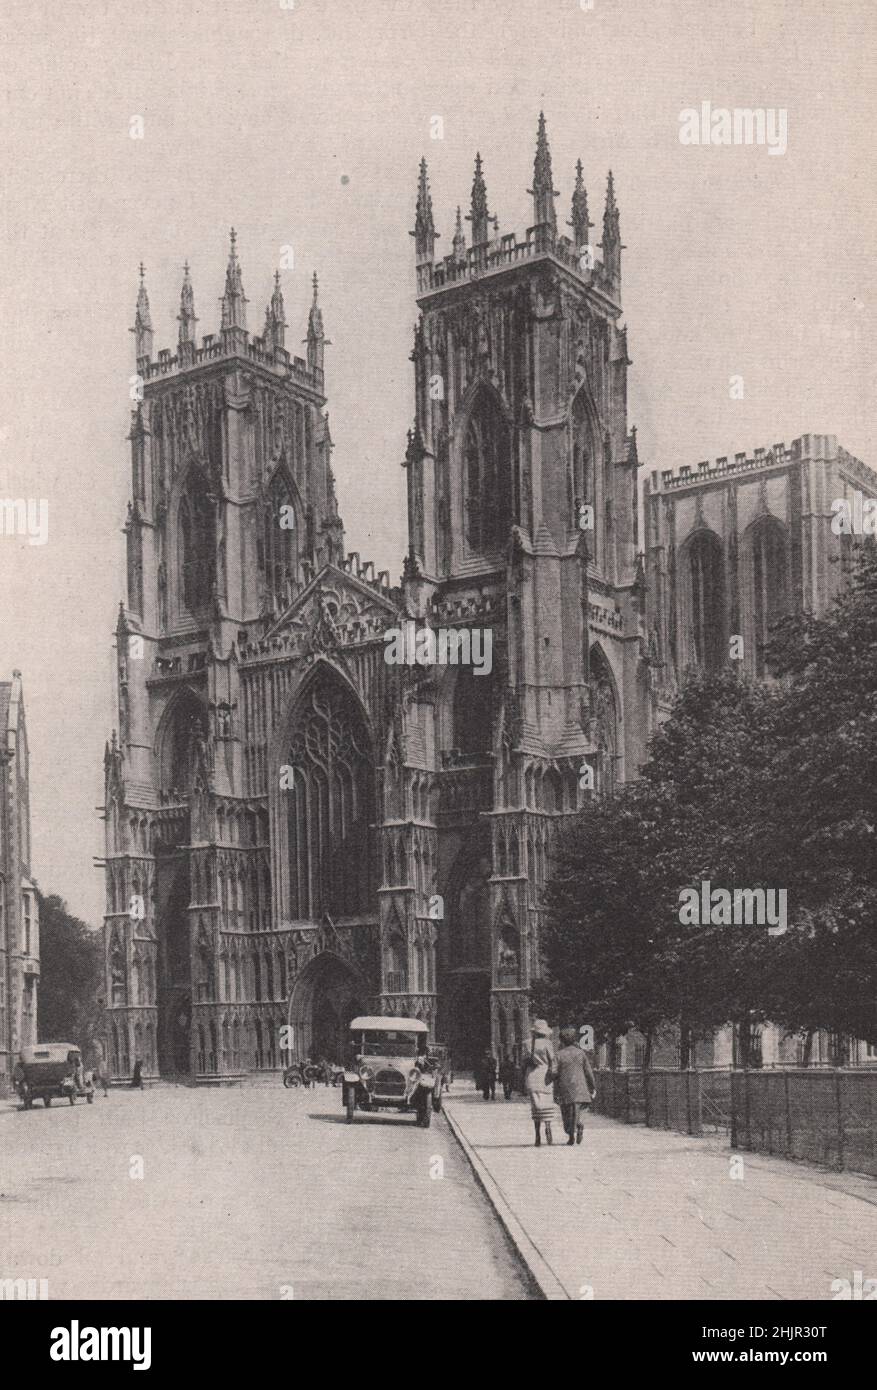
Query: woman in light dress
[539, 1079]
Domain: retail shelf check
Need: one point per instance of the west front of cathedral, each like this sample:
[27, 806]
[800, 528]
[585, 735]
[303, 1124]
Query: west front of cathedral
[298, 829]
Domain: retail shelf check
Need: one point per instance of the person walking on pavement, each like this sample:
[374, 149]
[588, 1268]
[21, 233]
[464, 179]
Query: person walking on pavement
[485, 1075]
[507, 1076]
[137, 1077]
[101, 1077]
[575, 1086]
[539, 1079]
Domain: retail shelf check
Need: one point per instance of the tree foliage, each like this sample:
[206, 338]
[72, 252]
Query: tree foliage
[746, 786]
[71, 977]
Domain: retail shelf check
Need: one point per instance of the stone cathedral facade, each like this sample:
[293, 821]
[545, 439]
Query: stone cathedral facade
[298, 830]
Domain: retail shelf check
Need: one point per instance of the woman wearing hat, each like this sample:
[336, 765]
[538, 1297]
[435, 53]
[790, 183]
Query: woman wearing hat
[539, 1079]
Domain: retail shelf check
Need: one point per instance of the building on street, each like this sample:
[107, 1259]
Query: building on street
[19, 906]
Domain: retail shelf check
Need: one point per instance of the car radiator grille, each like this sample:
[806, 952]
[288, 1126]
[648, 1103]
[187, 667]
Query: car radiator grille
[390, 1083]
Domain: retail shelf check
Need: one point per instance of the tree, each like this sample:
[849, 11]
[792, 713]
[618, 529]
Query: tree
[71, 978]
[771, 786]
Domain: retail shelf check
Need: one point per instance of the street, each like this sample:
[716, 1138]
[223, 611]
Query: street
[246, 1192]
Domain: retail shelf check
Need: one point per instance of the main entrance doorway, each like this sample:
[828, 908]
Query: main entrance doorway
[326, 996]
[465, 1024]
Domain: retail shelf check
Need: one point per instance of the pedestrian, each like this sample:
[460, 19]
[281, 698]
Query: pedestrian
[507, 1075]
[539, 1079]
[137, 1077]
[575, 1085]
[101, 1077]
[486, 1075]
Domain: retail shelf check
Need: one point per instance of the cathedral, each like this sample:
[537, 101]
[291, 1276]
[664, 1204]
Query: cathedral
[301, 825]
[298, 828]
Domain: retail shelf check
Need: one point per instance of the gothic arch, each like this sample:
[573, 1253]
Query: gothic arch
[485, 446]
[278, 545]
[585, 473]
[322, 820]
[606, 717]
[701, 571]
[765, 554]
[183, 725]
[327, 994]
[195, 536]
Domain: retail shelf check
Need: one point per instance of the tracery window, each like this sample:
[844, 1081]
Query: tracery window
[197, 544]
[279, 541]
[766, 587]
[487, 475]
[605, 712]
[705, 600]
[330, 806]
[583, 480]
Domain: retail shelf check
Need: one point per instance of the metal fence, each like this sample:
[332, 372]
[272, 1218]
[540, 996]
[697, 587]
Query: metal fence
[827, 1117]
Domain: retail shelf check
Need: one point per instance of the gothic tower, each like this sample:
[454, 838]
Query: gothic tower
[522, 514]
[232, 511]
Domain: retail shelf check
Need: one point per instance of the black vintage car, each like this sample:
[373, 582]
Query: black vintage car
[51, 1071]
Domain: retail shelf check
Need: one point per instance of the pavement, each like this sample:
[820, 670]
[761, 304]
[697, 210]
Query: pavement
[636, 1213]
[244, 1193]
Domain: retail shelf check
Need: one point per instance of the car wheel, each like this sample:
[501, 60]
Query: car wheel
[437, 1101]
[291, 1082]
[350, 1103]
[47, 1101]
[90, 1097]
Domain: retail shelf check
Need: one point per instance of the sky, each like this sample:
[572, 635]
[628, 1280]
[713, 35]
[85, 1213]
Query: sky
[302, 124]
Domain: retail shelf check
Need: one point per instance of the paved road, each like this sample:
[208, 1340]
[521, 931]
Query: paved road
[251, 1192]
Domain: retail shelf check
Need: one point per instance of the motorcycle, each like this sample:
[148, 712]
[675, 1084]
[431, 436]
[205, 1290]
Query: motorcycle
[301, 1074]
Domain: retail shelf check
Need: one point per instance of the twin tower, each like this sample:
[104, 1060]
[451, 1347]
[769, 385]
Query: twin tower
[297, 829]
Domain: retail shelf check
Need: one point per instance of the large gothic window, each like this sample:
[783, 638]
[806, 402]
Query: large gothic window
[605, 715]
[765, 587]
[183, 738]
[330, 806]
[197, 543]
[280, 541]
[583, 475]
[704, 595]
[487, 476]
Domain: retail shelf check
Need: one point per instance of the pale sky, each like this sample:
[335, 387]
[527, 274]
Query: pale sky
[304, 126]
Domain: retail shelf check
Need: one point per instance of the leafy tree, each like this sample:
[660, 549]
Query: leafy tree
[745, 786]
[71, 977]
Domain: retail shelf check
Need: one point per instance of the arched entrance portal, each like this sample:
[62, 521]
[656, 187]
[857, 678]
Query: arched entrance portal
[326, 996]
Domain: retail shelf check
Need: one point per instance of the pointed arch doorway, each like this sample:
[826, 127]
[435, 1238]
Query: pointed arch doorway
[326, 996]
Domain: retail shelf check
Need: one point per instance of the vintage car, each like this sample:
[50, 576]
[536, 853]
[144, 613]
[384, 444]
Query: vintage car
[385, 1068]
[51, 1071]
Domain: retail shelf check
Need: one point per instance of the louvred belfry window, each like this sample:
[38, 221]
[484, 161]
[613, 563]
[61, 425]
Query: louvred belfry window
[197, 543]
[330, 806]
[280, 541]
[487, 476]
